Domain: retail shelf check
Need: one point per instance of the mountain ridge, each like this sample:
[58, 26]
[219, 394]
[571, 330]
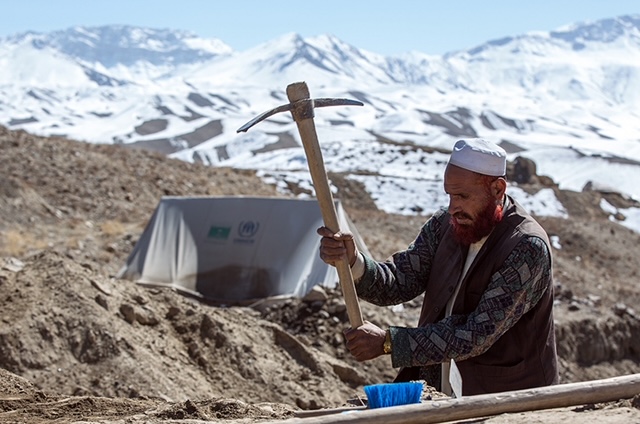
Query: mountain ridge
[536, 93]
[126, 44]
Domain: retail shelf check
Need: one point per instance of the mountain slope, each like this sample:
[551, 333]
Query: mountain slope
[72, 213]
[566, 99]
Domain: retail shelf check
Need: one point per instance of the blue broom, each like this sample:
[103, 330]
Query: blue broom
[393, 394]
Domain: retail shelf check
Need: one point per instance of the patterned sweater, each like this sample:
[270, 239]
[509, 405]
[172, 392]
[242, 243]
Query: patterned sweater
[512, 291]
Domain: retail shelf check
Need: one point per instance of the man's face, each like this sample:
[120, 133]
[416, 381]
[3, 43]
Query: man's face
[474, 203]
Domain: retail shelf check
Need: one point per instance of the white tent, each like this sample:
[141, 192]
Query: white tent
[234, 249]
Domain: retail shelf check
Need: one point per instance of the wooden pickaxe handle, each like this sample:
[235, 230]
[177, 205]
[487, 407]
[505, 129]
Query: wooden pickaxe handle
[304, 119]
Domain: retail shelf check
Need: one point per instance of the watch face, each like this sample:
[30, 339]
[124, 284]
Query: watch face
[386, 347]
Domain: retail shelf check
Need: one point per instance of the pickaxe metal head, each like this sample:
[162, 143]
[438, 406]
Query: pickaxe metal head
[300, 109]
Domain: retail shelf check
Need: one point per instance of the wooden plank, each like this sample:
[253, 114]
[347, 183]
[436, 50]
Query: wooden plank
[558, 396]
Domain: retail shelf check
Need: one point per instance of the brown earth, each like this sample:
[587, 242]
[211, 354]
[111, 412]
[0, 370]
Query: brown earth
[78, 345]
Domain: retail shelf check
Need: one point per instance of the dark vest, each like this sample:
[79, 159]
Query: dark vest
[525, 356]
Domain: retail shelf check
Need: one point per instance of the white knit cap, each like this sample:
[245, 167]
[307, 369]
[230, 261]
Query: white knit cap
[481, 156]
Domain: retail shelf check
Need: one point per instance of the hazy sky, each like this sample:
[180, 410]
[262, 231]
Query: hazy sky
[387, 27]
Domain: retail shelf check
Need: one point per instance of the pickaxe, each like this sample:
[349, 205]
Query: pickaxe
[301, 107]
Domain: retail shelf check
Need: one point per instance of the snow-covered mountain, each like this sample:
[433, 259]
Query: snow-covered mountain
[568, 99]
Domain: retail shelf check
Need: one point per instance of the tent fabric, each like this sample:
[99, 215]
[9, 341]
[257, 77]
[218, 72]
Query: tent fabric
[234, 249]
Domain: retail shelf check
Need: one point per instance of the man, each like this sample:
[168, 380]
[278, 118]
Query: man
[484, 266]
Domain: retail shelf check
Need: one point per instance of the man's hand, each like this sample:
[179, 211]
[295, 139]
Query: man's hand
[365, 342]
[336, 246]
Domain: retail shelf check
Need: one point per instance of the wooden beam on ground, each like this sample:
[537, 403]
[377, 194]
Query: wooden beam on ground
[558, 396]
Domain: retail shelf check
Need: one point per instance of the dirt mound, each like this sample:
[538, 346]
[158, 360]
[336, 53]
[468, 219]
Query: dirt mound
[66, 327]
[78, 344]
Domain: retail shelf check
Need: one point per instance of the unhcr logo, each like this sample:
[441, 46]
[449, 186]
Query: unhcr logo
[248, 229]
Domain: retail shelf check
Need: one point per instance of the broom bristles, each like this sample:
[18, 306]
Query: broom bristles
[392, 394]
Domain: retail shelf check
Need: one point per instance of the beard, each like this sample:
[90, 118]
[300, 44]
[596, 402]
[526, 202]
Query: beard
[481, 227]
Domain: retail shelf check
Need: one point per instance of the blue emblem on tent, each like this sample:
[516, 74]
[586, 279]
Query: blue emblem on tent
[248, 229]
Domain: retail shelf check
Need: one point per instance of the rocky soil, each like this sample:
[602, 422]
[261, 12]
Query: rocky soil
[79, 345]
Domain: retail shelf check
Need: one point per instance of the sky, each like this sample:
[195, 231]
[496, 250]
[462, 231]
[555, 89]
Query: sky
[388, 27]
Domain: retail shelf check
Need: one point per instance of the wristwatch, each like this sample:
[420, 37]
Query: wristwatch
[386, 347]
